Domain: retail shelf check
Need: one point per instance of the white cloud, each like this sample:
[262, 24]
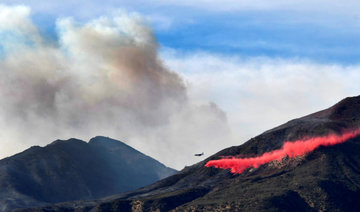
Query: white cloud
[261, 93]
[16, 27]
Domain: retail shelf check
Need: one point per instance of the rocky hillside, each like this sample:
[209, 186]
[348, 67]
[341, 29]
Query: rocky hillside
[327, 179]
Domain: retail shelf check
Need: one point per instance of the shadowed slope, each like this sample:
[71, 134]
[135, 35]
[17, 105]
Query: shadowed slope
[74, 170]
[326, 179]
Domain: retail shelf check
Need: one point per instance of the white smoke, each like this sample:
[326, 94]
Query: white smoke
[103, 77]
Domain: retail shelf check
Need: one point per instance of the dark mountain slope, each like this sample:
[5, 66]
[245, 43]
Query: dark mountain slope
[327, 179]
[74, 170]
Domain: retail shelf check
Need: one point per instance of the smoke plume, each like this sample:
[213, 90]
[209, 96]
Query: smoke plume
[102, 77]
[290, 149]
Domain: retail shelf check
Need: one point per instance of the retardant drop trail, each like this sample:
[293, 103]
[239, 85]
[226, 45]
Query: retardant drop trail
[289, 148]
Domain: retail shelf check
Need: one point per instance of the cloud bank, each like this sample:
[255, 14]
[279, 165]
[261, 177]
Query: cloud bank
[261, 93]
[102, 77]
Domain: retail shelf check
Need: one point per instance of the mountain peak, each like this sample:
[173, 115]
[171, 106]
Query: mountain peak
[100, 138]
[73, 169]
[68, 141]
[111, 144]
[347, 110]
[105, 140]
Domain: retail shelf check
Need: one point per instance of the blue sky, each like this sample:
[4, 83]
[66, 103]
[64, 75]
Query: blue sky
[322, 31]
[265, 34]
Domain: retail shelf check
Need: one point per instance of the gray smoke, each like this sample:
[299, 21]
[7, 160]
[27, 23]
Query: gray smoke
[103, 77]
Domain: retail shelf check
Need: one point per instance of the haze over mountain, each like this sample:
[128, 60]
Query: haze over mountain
[100, 77]
[75, 170]
[327, 179]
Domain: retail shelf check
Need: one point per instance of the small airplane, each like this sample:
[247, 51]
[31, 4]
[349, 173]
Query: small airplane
[201, 154]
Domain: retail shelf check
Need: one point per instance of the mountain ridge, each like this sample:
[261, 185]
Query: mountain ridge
[325, 179]
[72, 169]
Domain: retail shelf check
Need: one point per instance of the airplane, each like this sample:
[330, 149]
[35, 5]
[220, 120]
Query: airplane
[201, 154]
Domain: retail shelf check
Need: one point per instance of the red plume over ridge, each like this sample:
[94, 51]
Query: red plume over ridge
[289, 148]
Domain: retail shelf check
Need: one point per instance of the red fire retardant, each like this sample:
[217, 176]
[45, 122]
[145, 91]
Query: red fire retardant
[289, 148]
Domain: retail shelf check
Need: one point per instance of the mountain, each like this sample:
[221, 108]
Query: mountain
[68, 170]
[327, 179]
